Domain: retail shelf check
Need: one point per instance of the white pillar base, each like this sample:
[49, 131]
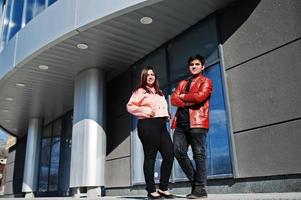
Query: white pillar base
[29, 195]
[93, 192]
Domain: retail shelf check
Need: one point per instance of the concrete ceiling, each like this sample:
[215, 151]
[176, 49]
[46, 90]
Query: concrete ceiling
[113, 45]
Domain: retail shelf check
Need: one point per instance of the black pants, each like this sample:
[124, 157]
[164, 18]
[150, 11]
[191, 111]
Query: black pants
[196, 137]
[155, 137]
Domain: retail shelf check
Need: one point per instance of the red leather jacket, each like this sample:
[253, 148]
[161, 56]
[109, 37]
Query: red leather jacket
[199, 95]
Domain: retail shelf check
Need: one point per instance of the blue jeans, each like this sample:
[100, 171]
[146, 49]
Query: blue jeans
[196, 137]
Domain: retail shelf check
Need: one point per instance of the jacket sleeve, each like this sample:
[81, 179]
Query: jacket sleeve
[134, 106]
[175, 100]
[204, 92]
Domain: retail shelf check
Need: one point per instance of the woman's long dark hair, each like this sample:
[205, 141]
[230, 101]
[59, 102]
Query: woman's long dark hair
[143, 81]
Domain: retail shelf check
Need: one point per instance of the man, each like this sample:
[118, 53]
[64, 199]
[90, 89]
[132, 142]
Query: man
[191, 124]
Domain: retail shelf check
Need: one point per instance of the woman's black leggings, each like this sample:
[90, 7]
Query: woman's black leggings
[155, 137]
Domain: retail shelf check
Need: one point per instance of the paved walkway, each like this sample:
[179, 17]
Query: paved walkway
[249, 196]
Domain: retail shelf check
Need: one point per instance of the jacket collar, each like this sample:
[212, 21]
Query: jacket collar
[199, 78]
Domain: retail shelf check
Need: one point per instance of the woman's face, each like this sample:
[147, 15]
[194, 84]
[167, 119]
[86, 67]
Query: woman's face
[151, 78]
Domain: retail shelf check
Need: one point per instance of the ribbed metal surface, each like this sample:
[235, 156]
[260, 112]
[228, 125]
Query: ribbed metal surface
[113, 45]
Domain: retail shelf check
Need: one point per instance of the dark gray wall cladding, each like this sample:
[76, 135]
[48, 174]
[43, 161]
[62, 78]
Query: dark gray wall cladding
[118, 93]
[118, 120]
[266, 90]
[15, 168]
[275, 152]
[119, 137]
[118, 131]
[118, 173]
[254, 27]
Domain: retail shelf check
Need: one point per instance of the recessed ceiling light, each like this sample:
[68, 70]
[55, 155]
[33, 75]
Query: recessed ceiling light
[9, 99]
[20, 84]
[43, 67]
[7, 120]
[146, 20]
[82, 46]
[6, 111]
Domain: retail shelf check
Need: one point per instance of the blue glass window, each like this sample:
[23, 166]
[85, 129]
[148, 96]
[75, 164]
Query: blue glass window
[6, 22]
[1, 8]
[54, 164]
[51, 2]
[33, 8]
[218, 151]
[50, 157]
[201, 39]
[30, 7]
[44, 160]
[39, 6]
[16, 18]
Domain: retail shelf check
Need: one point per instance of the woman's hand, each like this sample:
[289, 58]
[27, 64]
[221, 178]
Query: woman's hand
[152, 114]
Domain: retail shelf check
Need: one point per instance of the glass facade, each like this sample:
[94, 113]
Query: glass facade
[16, 18]
[55, 158]
[16, 14]
[200, 39]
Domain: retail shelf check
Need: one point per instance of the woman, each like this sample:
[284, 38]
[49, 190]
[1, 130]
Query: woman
[149, 105]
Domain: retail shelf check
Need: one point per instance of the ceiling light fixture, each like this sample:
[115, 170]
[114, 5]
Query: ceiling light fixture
[6, 111]
[146, 20]
[82, 46]
[9, 99]
[7, 120]
[20, 84]
[43, 67]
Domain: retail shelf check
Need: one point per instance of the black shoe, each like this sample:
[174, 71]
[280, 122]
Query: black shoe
[197, 194]
[166, 196]
[149, 196]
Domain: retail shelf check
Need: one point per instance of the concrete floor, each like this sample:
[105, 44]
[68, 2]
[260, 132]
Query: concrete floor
[249, 196]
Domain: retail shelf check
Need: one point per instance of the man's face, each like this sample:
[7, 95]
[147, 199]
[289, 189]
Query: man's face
[196, 67]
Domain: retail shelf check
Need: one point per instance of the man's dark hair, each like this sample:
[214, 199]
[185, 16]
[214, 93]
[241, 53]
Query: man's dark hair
[196, 57]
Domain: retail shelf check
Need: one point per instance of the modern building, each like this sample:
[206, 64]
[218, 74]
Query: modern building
[68, 67]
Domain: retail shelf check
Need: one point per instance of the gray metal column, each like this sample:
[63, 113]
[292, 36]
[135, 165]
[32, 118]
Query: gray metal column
[88, 149]
[30, 177]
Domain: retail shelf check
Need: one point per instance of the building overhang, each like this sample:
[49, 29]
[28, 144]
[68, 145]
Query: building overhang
[116, 39]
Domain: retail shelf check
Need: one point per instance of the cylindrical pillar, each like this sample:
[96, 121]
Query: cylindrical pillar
[30, 177]
[88, 149]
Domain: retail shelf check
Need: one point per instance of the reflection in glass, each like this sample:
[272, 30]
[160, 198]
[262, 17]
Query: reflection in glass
[201, 39]
[54, 164]
[33, 8]
[6, 22]
[39, 6]
[44, 163]
[55, 158]
[30, 6]
[51, 2]
[16, 18]
[219, 162]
